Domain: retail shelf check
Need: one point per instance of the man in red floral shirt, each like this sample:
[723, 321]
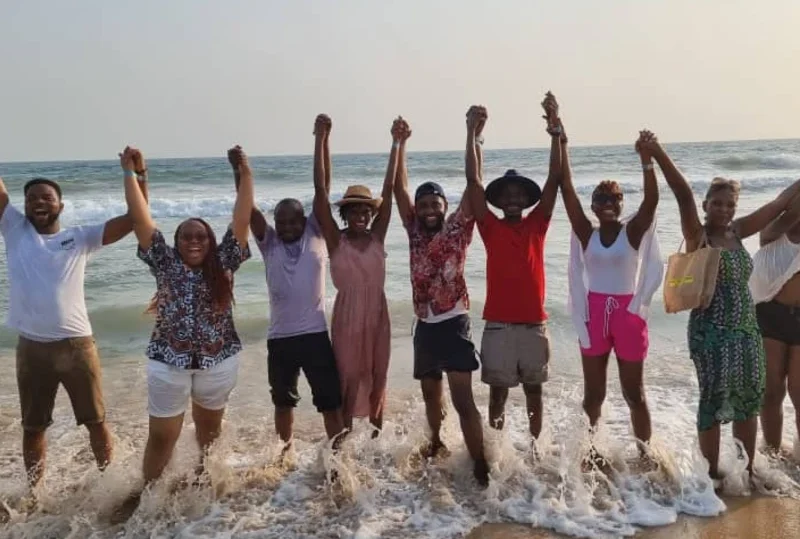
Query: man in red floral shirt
[443, 337]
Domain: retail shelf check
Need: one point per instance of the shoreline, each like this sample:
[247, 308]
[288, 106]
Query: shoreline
[745, 518]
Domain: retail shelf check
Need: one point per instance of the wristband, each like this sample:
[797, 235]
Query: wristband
[396, 144]
[130, 174]
[479, 140]
[647, 166]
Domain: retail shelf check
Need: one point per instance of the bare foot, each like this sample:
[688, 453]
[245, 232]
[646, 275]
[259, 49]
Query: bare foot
[595, 461]
[433, 449]
[122, 513]
[481, 472]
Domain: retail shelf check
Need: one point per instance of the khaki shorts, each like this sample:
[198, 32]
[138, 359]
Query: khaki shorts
[42, 366]
[514, 354]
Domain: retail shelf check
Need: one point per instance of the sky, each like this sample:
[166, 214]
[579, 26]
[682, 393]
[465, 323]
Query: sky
[190, 78]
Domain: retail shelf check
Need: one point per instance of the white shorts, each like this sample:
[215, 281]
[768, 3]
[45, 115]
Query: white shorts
[169, 388]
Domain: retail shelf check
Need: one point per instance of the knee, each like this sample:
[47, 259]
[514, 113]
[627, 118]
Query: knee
[33, 437]
[634, 396]
[161, 441]
[431, 392]
[593, 398]
[773, 397]
[498, 396]
[464, 405]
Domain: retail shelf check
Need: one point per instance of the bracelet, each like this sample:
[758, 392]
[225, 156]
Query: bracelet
[555, 131]
[396, 144]
[130, 174]
[647, 166]
[479, 140]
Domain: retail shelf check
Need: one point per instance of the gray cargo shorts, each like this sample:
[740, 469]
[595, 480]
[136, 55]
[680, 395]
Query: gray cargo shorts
[515, 353]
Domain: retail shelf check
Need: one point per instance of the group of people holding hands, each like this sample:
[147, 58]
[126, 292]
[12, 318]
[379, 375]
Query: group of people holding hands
[614, 270]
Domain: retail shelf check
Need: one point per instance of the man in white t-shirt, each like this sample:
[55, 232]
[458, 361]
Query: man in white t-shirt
[47, 309]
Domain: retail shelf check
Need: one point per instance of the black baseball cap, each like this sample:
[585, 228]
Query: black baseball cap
[40, 181]
[429, 188]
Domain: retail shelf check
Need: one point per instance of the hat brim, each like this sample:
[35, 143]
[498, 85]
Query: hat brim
[532, 189]
[374, 202]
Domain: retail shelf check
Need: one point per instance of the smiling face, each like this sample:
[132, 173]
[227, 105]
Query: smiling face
[430, 210]
[357, 217]
[290, 221]
[512, 199]
[720, 205]
[193, 242]
[607, 201]
[42, 206]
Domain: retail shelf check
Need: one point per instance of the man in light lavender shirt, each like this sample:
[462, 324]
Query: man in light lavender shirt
[295, 258]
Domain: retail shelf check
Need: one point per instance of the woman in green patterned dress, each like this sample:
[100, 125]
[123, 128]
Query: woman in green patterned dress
[724, 339]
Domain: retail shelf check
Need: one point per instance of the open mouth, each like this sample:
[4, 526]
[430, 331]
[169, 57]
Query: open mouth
[513, 209]
[41, 213]
[431, 220]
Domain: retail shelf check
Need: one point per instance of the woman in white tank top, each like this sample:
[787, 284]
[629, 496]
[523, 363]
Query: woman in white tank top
[602, 291]
[775, 286]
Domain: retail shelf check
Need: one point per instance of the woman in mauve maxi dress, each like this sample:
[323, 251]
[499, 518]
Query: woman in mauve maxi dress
[360, 327]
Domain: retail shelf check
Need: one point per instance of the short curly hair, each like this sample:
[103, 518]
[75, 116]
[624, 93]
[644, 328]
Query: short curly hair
[720, 184]
[343, 212]
[608, 187]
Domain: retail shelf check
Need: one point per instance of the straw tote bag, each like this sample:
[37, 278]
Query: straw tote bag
[691, 278]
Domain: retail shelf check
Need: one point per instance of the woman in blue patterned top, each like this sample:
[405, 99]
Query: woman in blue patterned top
[194, 346]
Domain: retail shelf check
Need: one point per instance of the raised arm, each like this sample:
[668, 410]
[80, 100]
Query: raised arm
[691, 226]
[581, 224]
[3, 198]
[404, 205]
[243, 207]
[138, 210]
[758, 220]
[118, 227]
[322, 206]
[554, 174]
[473, 162]
[400, 133]
[647, 209]
[782, 224]
[258, 223]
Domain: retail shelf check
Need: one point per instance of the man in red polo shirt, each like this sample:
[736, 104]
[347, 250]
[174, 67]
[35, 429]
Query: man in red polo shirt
[515, 347]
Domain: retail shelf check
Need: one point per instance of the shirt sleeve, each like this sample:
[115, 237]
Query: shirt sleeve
[91, 237]
[487, 225]
[230, 253]
[264, 243]
[159, 254]
[12, 221]
[537, 221]
[459, 227]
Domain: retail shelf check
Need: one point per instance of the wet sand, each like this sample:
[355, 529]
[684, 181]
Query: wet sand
[746, 518]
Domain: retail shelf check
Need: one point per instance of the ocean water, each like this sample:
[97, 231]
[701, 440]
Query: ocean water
[386, 490]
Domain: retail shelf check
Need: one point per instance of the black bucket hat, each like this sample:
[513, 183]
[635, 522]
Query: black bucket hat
[496, 186]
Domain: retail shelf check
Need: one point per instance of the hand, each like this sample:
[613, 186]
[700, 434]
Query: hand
[647, 145]
[400, 130]
[235, 156]
[126, 159]
[139, 164]
[323, 126]
[476, 119]
[550, 106]
[242, 163]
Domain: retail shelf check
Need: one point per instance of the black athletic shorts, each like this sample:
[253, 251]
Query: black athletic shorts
[444, 347]
[779, 322]
[313, 353]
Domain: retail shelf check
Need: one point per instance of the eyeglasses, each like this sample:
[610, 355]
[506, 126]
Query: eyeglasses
[200, 237]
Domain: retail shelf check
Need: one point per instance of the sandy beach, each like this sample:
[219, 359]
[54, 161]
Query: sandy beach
[765, 518]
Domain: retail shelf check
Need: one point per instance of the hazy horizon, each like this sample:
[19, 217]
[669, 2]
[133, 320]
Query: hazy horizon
[192, 78]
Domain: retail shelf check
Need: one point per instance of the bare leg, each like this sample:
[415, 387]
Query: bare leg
[100, 440]
[533, 400]
[470, 419]
[432, 394]
[497, 406]
[709, 447]
[794, 383]
[164, 433]
[284, 419]
[772, 409]
[207, 428]
[34, 450]
[594, 385]
[631, 379]
[746, 432]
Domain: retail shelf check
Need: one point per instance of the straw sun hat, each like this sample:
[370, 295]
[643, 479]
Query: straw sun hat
[359, 194]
